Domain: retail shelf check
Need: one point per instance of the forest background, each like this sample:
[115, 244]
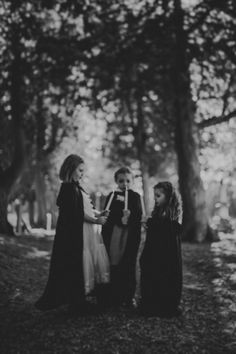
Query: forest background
[150, 84]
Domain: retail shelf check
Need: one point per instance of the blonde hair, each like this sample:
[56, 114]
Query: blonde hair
[172, 209]
[69, 166]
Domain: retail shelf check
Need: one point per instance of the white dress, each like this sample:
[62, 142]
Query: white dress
[95, 259]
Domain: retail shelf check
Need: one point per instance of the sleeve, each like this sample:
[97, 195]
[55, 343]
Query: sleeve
[134, 224]
[70, 201]
[136, 209]
[175, 247]
[69, 233]
[116, 211]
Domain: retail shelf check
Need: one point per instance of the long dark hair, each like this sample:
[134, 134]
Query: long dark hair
[68, 167]
[172, 209]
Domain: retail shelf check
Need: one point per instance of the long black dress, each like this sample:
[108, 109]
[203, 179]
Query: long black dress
[123, 274]
[161, 268]
[65, 283]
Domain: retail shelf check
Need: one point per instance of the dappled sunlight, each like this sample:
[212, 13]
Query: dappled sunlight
[225, 247]
[191, 281]
[217, 282]
[145, 84]
[232, 279]
[4, 240]
[40, 232]
[200, 325]
[36, 253]
[27, 247]
[194, 286]
[224, 260]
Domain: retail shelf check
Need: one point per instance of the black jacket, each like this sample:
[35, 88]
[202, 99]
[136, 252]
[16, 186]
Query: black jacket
[134, 223]
[161, 265]
[65, 283]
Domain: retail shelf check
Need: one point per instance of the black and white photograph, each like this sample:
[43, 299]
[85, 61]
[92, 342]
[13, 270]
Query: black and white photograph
[117, 176]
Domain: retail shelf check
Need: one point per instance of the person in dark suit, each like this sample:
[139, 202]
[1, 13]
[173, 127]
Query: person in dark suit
[121, 235]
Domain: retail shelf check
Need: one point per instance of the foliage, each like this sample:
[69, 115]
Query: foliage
[96, 78]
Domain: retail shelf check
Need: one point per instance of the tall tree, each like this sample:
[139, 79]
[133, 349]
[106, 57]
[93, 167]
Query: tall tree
[123, 76]
[186, 137]
[35, 64]
[174, 51]
[9, 175]
[187, 132]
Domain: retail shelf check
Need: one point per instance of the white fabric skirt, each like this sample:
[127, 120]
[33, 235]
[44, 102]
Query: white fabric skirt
[95, 259]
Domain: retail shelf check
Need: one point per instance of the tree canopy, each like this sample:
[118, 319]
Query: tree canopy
[149, 83]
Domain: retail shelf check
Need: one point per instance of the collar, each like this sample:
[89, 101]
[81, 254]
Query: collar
[79, 186]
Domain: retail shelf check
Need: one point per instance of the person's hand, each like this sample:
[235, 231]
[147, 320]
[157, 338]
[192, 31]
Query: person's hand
[105, 213]
[144, 225]
[101, 220]
[124, 220]
[126, 213]
[144, 221]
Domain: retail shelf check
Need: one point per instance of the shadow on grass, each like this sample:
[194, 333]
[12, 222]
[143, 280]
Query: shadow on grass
[204, 327]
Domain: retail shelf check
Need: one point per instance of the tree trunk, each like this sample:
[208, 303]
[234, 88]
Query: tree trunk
[9, 176]
[5, 226]
[195, 219]
[18, 209]
[191, 187]
[135, 110]
[140, 140]
[7, 180]
[31, 204]
[40, 192]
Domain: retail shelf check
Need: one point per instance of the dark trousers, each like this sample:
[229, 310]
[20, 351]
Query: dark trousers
[123, 284]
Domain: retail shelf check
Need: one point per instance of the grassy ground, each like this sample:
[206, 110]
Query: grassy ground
[207, 324]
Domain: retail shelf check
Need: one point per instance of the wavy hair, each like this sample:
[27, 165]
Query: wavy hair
[172, 209]
[68, 167]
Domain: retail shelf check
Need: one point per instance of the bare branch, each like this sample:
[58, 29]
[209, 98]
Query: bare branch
[226, 95]
[217, 120]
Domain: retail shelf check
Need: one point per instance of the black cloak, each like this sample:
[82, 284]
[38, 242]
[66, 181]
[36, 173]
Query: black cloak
[65, 283]
[123, 276]
[161, 267]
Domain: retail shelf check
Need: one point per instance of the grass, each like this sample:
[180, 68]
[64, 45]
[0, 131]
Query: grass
[207, 323]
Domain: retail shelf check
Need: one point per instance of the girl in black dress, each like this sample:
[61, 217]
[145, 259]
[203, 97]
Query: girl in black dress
[161, 263]
[65, 285]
